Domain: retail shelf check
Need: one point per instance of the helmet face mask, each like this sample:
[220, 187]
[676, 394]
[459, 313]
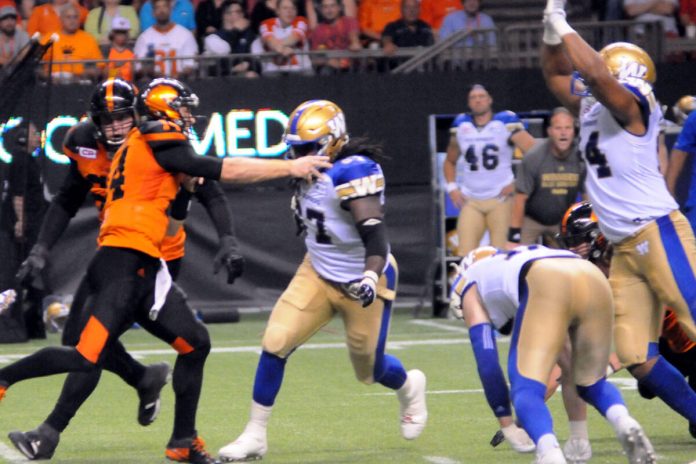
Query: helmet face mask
[112, 111]
[579, 226]
[319, 125]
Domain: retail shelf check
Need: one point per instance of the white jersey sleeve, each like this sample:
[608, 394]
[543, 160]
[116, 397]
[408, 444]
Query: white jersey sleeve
[333, 243]
[623, 175]
[485, 166]
[497, 279]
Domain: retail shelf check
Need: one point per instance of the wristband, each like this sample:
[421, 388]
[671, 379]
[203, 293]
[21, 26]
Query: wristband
[371, 275]
[550, 36]
[514, 234]
[451, 187]
[560, 24]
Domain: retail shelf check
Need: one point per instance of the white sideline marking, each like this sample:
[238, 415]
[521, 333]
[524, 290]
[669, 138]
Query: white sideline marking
[439, 325]
[440, 460]
[10, 455]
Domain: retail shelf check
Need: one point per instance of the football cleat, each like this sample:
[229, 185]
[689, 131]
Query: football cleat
[552, 456]
[577, 450]
[638, 448]
[189, 450]
[249, 446]
[414, 412]
[149, 388]
[518, 439]
[40, 443]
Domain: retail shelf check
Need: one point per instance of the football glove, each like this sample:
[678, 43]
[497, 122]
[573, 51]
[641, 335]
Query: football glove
[364, 289]
[6, 299]
[229, 257]
[31, 268]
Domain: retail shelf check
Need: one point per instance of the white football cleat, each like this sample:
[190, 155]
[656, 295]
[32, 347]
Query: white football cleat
[518, 439]
[249, 446]
[577, 450]
[552, 456]
[638, 448]
[414, 412]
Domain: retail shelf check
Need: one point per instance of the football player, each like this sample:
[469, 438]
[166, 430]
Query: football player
[580, 233]
[550, 295]
[347, 270]
[683, 108]
[126, 279]
[91, 145]
[484, 193]
[683, 147]
[654, 258]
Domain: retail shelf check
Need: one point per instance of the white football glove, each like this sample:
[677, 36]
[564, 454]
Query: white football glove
[6, 299]
[555, 21]
[364, 289]
[455, 303]
[518, 439]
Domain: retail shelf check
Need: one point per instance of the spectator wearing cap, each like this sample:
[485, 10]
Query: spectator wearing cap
[470, 19]
[12, 38]
[74, 44]
[46, 20]
[182, 13]
[120, 56]
[99, 20]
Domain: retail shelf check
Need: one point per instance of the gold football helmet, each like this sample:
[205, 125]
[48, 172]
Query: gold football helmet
[684, 106]
[476, 255]
[316, 125]
[165, 97]
[630, 64]
[55, 316]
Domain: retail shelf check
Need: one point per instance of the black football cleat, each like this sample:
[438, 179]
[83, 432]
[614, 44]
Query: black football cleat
[189, 450]
[36, 444]
[149, 388]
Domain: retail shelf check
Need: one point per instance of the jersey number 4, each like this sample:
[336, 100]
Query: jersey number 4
[595, 157]
[117, 180]
[489, 156]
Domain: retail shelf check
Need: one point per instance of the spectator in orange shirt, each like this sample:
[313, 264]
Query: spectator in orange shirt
[119, 53]
[375, 14]
[74, 44]
[45, 19]
[433, 12]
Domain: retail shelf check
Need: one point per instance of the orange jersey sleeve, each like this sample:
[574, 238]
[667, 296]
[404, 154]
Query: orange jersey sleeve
[139, 191]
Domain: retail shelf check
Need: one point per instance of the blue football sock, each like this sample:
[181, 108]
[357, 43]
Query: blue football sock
[488, 365]
[389, 372]
[602, 395]
[269, 378]
[667, 383]
[528, 399]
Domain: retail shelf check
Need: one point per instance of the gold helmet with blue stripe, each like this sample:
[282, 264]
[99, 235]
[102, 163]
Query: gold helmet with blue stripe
[316, 126]
[630, 64]
[684, 106]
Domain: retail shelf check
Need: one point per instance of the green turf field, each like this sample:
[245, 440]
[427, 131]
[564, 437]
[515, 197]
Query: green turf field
[323, 415]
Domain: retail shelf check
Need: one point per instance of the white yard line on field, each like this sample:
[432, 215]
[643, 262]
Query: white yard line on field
[10, 455]
[440, 460]
[439, 325]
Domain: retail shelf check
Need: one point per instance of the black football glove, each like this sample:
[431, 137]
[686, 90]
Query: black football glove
[31, 268]
[229, 257]
[364, 289]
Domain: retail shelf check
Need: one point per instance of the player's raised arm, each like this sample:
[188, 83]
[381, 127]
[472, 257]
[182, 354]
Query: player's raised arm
[598, 74]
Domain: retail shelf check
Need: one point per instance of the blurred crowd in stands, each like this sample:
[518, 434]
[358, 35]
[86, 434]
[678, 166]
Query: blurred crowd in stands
[163, 36]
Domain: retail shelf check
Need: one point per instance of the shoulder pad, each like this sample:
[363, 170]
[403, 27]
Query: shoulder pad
[161, 131]
[461, 118]
[83, 134]
[357, 176]
[512, 122]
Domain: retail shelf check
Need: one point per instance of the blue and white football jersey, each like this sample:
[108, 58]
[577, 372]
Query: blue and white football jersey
[686, 142]
[334, 245]
[624, 181]
[486, 165]
[497, 279]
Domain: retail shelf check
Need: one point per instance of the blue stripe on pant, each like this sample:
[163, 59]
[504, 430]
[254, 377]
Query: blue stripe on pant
[527, 394]
[388, 369]
[678, 262]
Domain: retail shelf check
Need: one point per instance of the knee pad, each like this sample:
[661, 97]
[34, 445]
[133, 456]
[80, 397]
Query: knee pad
[276, 341]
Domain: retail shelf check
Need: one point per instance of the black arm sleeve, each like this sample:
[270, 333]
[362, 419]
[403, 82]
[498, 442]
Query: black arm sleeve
[63, 207]
[213, 199]
[180, 157]
[180, 205]
[373, 233]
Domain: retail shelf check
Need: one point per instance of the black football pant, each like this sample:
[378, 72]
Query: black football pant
[120, 291]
